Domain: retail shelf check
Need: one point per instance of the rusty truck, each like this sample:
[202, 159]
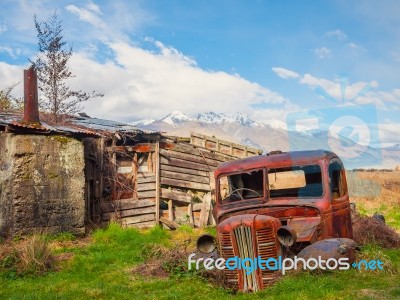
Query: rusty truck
[277, 205]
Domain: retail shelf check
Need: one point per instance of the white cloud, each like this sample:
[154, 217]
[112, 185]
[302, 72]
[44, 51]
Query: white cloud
[89, 14]
[322, 52]
[141, 83]
[11, 74]
[285, 73]
[340, 35]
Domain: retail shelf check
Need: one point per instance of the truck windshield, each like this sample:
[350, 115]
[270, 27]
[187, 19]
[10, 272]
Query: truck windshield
[296, 181]
[243, 186]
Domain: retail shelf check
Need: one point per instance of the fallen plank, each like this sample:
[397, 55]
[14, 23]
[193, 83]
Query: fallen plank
[170, 224]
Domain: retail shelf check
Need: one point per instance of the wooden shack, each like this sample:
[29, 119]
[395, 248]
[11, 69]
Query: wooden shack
[168, 180]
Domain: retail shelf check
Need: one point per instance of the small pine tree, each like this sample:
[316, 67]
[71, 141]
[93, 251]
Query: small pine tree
[51, 64]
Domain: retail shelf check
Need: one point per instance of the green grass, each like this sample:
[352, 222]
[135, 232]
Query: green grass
[102, 270]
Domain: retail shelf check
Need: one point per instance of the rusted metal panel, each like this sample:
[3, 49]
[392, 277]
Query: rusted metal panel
[31, 105]
[331, 248]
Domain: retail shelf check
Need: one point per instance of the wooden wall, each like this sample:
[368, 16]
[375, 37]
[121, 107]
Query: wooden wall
[166, 180]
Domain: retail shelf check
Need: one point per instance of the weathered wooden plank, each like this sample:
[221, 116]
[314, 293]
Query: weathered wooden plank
[146, 224]
[138, 219]
[190, 213]
[170, 210]
[185, 164]
[171, 224]
[129, 212]
[205, 211]
[158, 177]
[141, 187]
[146, 179]
[147, 194]
[201, 137]
[180, 197]
[185, 184]
[197, 206]
[197, 150]
[194, 178]
[184, 170]
[111, 206]
[195, 157]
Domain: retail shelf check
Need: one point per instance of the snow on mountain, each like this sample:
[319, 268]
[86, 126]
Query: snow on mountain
[143, 122]
[242, 119]
[219, 118]
[176, 117]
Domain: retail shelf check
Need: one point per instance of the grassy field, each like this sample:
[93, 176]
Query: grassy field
[101, 265]
[376, 192]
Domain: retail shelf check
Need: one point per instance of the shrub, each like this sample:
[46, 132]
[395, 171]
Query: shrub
[34, 256]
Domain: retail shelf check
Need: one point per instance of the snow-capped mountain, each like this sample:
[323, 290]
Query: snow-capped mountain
[270, 135]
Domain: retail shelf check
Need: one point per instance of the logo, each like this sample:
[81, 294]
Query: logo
[250, 265]
[347, 129]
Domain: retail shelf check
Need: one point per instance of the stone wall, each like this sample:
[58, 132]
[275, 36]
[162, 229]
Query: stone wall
[42, 184]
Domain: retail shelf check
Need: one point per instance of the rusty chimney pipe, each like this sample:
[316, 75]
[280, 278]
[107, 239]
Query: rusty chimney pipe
[31, 105]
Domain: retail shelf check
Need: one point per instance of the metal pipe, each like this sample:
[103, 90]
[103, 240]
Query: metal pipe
[31, 105]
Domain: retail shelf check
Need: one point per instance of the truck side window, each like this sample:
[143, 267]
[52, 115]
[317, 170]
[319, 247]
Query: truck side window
[336, 180]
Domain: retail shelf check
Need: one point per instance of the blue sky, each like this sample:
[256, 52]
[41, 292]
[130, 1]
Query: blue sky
[265, 58]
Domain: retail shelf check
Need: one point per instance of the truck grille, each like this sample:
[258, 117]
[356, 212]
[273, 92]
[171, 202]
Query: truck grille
[249, 236]
[244, 240]
[266, 244]
[227, 252]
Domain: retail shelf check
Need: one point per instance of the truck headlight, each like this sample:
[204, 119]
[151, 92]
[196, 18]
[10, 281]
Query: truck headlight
[286, 236]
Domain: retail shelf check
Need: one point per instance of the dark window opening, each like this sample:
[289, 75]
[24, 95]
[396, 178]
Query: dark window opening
[242, 186]
[296, 181]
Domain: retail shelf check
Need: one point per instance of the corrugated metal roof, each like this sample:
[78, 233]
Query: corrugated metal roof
[75, 125]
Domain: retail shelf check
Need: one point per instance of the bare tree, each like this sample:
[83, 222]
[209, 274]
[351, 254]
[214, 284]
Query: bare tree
[51, 64]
